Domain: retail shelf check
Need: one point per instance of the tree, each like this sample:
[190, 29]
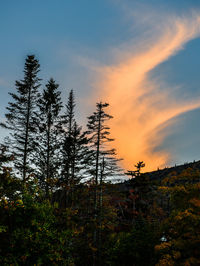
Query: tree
[47, 161]
[181, 230]
[21, 117]
[80, 154]
[9, 184]
[74, 150]
[98, 134]
[135, 247]
[33, 232]
[104, 161]
[67, 124]
[137, 172]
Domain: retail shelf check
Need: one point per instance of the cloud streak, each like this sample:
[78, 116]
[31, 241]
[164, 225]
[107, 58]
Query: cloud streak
[140, 105]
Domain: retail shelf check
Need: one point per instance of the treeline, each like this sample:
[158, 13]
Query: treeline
[50, 149]
[56, 207]
[46, 140]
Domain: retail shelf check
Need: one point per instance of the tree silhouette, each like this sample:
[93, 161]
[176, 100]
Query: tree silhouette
[22, 116]
[98, 134]
[74, 150]
[67, 125]
[137, 172]
[47, 150]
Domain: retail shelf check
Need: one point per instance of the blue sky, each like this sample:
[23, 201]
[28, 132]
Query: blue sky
[55, 31]
[76, 40]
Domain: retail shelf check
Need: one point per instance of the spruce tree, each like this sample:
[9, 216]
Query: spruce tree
[104, 164]
[68, 121]
[98, 134]
[21, 117]
[74, 149]
[47, 150]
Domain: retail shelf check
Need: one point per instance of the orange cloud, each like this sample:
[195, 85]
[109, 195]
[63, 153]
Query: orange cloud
[140, 105]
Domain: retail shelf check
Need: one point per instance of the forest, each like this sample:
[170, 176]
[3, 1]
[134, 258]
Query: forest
[63, 199]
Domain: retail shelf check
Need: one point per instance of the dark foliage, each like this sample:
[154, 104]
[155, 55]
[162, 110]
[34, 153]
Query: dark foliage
[63, 211]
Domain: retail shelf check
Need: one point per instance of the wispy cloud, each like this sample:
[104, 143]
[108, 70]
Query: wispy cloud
[142, 106]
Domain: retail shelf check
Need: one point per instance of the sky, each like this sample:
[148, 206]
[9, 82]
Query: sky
[142, 57]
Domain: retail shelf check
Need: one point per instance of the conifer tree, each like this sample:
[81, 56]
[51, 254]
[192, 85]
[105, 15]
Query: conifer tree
[80, 154]
[74, 148]
[47, 151]
[68, 121]
[21, 116]
[98, 132]
[104, 164]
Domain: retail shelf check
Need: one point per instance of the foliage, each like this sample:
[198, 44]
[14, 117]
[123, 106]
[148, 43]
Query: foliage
[60, 209]
[182, 229]
[10, 186]
[135, 247]
[31, 232]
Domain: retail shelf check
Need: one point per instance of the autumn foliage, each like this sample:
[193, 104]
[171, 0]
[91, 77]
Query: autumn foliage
[59, 204]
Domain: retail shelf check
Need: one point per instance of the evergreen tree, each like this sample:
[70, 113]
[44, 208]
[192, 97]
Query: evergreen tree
[98, 132]
[104, 164]
[137, 172]
[74, 148]
[80, 154]
[47, 159]
[21, 117]
[68, 121]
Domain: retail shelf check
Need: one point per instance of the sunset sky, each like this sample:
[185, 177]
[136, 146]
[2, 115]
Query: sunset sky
[142, 57]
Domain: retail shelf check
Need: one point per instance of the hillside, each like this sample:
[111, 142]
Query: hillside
[158, 175]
